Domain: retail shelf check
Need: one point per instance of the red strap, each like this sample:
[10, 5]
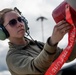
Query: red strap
[57, 64]
[68, 15]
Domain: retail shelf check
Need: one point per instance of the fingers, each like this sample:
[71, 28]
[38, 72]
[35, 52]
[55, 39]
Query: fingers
[61, 22]
[63, 27]
[60, 30]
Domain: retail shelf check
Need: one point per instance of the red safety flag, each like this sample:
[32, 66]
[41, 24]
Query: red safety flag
[58, 63]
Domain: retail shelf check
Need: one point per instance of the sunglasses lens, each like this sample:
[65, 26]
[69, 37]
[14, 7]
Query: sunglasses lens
[13, 22]
[19, 19]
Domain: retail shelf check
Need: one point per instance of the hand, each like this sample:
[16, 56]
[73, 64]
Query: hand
[59, 31]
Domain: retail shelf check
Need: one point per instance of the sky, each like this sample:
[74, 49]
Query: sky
[31, 9]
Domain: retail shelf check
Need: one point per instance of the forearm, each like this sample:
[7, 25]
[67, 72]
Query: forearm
[46, 57]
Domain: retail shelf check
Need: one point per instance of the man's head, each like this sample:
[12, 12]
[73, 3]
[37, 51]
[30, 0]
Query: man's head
[9, 20]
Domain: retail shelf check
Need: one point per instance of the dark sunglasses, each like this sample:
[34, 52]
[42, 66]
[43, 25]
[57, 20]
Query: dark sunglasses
[13, 22]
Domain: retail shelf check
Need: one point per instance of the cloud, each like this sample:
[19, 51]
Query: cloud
[3, 52]
[5, 73]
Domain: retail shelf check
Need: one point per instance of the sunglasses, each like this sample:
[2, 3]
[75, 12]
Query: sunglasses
[13, 22]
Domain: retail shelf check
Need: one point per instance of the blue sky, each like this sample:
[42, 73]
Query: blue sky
[31, 9]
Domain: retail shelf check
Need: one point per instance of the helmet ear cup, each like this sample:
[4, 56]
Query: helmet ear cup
[26, 23]
[3, 33]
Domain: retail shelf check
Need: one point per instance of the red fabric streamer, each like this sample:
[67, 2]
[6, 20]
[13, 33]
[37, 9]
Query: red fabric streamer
[57, 64]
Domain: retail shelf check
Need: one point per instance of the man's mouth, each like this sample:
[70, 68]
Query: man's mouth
[21, 30]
